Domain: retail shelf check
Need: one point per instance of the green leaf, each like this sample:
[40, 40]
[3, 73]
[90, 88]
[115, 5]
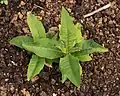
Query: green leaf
[19, 40]
[35, 66]
[80, 70]
[61, 46]
[45, 48]
[90, 46]
[49, 61]
[4, 1]
[46, 42]
[56, 60]
[82, 57]
[64, 77]
[56, 37]
[36, 27]
[78, 32]
[77, 47]
[70, 68]
[67, 30]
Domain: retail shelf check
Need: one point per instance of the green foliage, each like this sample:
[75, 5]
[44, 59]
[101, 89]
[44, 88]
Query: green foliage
[69, 67]
[4, 2]
[19, 40]
[46, 48]
[68, 48]
[36, 63]
[67, 31]
[35, 66]
[36, 27]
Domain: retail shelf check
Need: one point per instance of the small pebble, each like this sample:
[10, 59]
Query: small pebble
[110, 22]
[20, 15]
[6, 79]
[25, 29]
[62, 94]
[54, 94]
[43, 94]
[53, 81]
[15, 17]
[22, 3]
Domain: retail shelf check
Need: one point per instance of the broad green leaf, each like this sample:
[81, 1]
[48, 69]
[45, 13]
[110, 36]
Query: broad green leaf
[90, 46]
[78, 32]
[76, 48]
[46, 42]
[50, 53]
[70, 68]
[36, 27]
[64, 77]
[45, 48]
[19, 40]
[67, 30]
[62, 47]
[35, 66]
[82, 57]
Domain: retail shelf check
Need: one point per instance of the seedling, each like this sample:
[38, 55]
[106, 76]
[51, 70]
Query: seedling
[69, 47]
[4, 2]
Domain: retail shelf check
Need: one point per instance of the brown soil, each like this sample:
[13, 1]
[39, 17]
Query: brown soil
[101, 76]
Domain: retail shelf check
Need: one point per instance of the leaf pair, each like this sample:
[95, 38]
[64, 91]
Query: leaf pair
[69, 48]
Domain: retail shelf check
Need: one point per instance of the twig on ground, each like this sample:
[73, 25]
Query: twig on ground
[100, 9]
[48, 65]
[35, 5]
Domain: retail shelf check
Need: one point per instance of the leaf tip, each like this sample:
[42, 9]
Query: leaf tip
[28, 79]
[78, 86]
[106, 49]
[63, 9]
[12, 42]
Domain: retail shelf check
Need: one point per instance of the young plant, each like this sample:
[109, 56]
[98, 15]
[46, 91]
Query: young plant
[4, 2]
[69, 47]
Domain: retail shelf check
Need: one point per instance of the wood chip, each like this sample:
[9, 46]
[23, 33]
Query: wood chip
[25, 93]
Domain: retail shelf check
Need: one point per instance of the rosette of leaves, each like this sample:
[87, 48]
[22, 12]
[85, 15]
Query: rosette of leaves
[68, 46]
[4, 2]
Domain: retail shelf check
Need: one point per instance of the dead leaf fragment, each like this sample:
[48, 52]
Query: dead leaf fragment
[34, 79]
[25, 93]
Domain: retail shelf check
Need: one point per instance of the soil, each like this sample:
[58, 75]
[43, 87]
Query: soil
[101, 76]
